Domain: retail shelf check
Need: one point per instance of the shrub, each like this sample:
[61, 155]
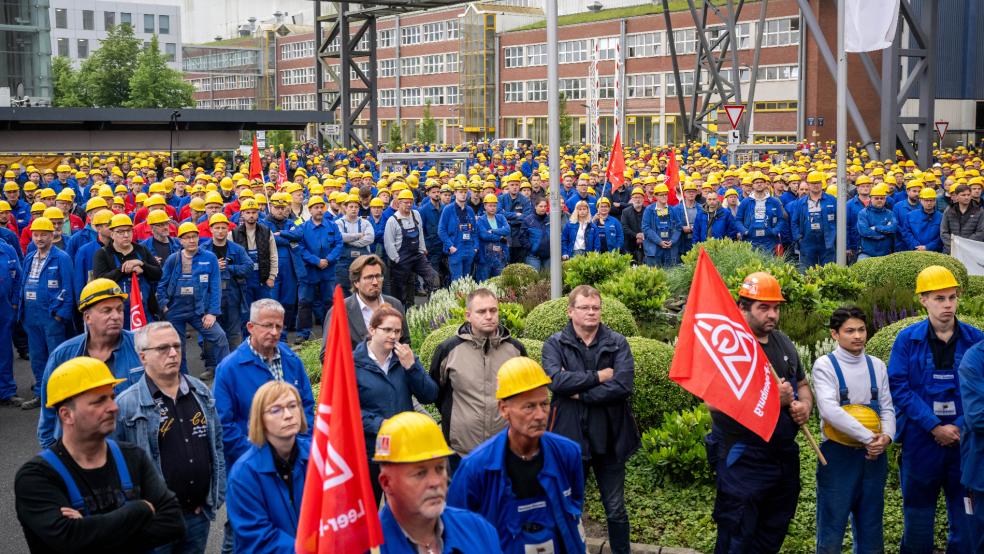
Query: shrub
[975, 285]
[309, 353]
[534, 348]
[534, 295]
[516, 277]
[902, 267]
[433, 340]
[728, 257]
[655, 395]
[888, 303]
[675, 450]
[642, 289]
[594, 267]
[880, 344]
[835, 282]
[550, 317]
[437, 311]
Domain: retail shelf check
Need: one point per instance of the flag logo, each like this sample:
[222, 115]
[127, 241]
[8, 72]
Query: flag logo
[730, 347]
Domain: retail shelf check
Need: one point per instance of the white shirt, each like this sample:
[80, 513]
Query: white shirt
[855, 370]
[385, 364]
[366, 310]
[579, 238]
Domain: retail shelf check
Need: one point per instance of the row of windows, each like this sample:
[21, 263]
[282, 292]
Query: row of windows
[224, 82]
[82, 48]
[160, 24]
[419, 65]
[245, 103]
[295, 50]
[297, 102]
[418, 34]
[220, 60]
[437, 96]
[298, 76]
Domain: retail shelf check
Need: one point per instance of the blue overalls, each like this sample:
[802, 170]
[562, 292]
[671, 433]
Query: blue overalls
[349, 252]
[493, 252]
[763, 227]
[656, 228]
[815, 229]
[188, 297]
[686, 217]
[75, 496]
[850, 485]
[43, 298]
[457, 229]
[402, 272]
[10, 278]
[125, 285]
[290, 272]
[234, 278]
[318, 242]
[877, 228]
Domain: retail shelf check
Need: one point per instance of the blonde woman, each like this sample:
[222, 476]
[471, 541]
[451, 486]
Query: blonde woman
[578, 235]
[265, 486]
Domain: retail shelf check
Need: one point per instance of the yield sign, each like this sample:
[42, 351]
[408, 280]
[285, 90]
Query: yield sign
[734, 112]
[941, 127]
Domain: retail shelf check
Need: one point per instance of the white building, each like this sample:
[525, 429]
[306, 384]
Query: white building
[77, 26]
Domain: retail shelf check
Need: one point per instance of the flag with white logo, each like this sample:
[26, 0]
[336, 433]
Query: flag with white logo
[719, 360]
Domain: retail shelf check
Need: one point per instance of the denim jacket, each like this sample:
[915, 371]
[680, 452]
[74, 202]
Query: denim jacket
[139, 423]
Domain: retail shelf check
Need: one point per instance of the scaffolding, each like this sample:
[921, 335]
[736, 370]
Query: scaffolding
[477, 81]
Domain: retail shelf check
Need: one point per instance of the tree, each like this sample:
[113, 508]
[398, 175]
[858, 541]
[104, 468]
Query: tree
[428, 127]
[396, 137]
[279, 137]
[68, 92]
[155, 85]
[566, 122]
[106, 74]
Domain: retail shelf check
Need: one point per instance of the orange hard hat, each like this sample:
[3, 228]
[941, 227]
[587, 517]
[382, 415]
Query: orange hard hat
[761, 286]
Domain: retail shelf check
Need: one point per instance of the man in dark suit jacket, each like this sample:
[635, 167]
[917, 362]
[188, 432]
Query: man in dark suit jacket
[366, 273]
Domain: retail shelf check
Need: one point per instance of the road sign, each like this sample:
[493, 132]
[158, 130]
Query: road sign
[819, 122]
[734, 137]
[261, 139]
[734, 112]
[811, 121]
[333, 130]
[941, 127]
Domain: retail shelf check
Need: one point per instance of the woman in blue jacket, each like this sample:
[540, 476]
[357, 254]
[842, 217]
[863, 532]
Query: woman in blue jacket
[608, 234]
[387, 373]
[493, 240]
[578, 234]
[263, 496]
[537, 227]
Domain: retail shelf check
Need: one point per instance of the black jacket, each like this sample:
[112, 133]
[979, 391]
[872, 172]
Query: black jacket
[632, 226]
[262, 237]
[600, 419]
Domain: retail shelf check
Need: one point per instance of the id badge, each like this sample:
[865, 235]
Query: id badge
[541, 548]
[815, 226]
[830, 217]
[496, 248]
[945, 408]
[187, 291]
[760, 232]
[664, 235]
[465, 236]
[203, 278]
[225, 284]
[52, 283]
[354, 253]
[256, 266]
[30, 295]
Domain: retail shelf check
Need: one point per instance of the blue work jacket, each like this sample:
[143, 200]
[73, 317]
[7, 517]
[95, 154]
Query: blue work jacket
[124, 364]
[319, 242]
[611, 231]
[383, 395]
[656, 228]
[723, 225]
[237, 269]
[574, 198]
[516, 210]
[237, 378]
[457, 228]
[288, 248]
[902, 209]
[767, 229]
[173, 245]
[489, 238]
[80, 238]
[464, 532]
[915, 383]
[52, 294]
[481, 484]
[139, 422]
[923, 229]
[264, 520]
[971, 374]
[854, 207]
[568, 236]
[538, 230]
[877, 227]
[10, 279]
[803, 225]
[206, 276]
[430, 217]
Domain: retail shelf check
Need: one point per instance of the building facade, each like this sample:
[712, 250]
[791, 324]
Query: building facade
[25, 51]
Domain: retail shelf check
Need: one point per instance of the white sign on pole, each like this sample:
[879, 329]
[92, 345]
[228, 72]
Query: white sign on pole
[734, 112]
[970, 252]
[734, 138]
[941, 127]
[333, 130]
[261, 139]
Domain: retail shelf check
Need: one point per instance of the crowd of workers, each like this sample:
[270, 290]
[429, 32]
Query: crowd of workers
[127, 429]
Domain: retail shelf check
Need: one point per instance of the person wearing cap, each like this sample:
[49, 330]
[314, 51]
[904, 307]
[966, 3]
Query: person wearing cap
[87, 492]
[812, 220]
[65, 201]
[631, 220]
[581, 194]
[321, 246]
[234, 266]
[261, 247]
[10, 268]
[88, 233]
[922, 373]
[577, 236]
[458, 234]
[849, 383]
[526, 481]
[357, 239]
[493, 240]
[45, 301]
[8, 226]
[661, 230]
[909, 202]
[686, 214]
[190, 293]
[405, 248]
[963, 218]
[161, 243]
[431, 210]
[122, 258]
[761, 217]
[21, 209]
[758, 481]
[922, 228]
[876, 226]
[172, 417]
[290, 265]
[608, 233]
[413, 460]
[861, 200]
[592, 370]
[142, 230]
[515, 207]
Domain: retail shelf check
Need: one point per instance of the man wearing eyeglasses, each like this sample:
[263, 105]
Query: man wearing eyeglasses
[259, 359]
[592, 372]
[172, 417]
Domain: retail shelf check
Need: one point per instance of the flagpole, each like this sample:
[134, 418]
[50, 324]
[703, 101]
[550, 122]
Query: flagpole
[841, 235]
[804, 428]
[553, 147]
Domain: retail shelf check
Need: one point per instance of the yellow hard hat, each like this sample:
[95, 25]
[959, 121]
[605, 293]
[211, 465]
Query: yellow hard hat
[11, 186]
[831, 190]
[218, 218]
[197, 204]
[518, 375]
[881, 189]
[95, 203]
[490, 199]
[865, 416]
[66, 195]
[4, 206]
[154, 200]
[927, 194]
[377, 203]
[404, 195]
[213, 198]
[120, 220]
[935, 277]
[348, 199]
[42, 224]
[187, 227]
[660, 189]
[639, 191]
[53, 213]
[159, 216]
[98, 290]
[248, 204]
[102, 217]
[410, 437]
[815, 177]
[76, 376]
[315, 200]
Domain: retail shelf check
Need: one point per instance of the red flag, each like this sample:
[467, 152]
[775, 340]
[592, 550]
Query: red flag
[281, 171]
[616, 165]
[338, 511]
[672, 178]
[255, 165]
[719, 360]
[138, 318]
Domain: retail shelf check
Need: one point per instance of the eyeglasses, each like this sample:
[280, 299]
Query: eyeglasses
[268, 326]
[277, 409]
[375, 277]
[165, 348]
[588, 308]
[390, 330]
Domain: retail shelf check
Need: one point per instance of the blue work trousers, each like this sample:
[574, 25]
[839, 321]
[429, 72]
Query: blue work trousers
[926, 468]
[43, 336]
[285, 291]
[813, 251]
[850, 486]
[216, 344]
[665, 257]
[8, 387]
[460, 265]
[977, 521]
[197, 527]
[312, 305]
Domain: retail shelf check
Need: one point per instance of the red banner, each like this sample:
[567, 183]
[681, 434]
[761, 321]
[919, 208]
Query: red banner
[719, 360]
[338, 511]
[672, 178]
[616, 165]
[255, 164]
[281, 171]
[138, 318]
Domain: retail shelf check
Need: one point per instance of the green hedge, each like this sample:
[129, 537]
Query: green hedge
[729, 258]
[975, 285]
[551, 317]
[655, 395]
[433, 340]
[902, 268]
[642, 289]
[534, 349]
[594, 267]
[309, 354]
[880, 344]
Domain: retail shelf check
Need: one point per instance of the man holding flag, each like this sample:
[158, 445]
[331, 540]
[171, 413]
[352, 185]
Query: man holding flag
[730, 357]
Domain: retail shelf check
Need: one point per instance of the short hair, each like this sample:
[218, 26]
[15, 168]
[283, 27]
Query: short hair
[141, 337]
[841, 315]
[582, 291]
[382, 313]
[960, 188]
[745, 304]
[268, 304]
[360, 263]
[480, 292]
[265, 395]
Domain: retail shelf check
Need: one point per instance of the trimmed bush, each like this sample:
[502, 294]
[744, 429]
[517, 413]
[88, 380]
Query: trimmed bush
[975, 285]
[880, 344]
[594, 267]
[642, 289]
[903, 267]
[675, 449]
[433, 340]
[436, 312]
[309, 355]
[516, 277]
[655, 396]
[729, 257]
[534, 348]
[550, 317]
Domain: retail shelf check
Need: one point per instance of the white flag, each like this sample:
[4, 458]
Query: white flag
[970, 252]
[870, 24]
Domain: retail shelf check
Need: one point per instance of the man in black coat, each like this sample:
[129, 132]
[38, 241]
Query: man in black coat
[593, 371]
[632, 226]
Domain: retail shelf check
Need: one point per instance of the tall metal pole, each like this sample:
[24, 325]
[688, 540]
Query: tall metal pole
[841, 137]
[553, 147]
